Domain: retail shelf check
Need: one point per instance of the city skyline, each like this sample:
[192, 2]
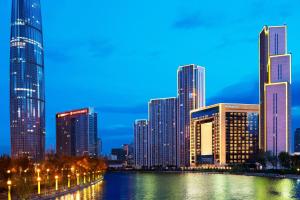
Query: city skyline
[134, 104]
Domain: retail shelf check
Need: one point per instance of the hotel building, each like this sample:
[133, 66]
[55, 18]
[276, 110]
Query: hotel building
[77, 133]
[191, 95]
[27, 83]
[162, 132]
[275, 80]
[224, 134]
[141, 150]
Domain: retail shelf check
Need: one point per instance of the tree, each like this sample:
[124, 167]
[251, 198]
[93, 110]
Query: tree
[261, 158]
[284, 159]
[271, 158]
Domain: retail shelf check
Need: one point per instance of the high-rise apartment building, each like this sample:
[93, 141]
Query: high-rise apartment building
[77, 133]
[162, 132]
[141, 150]
[224, 134]
[275, 81]
[191, 95]
[27, 84]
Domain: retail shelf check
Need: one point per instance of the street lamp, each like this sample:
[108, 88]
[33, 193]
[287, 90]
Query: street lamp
[38, 172]
[39, 184]
[69, 182]
[56, 182]
[9, 189]
[77, 176]
[84, 181]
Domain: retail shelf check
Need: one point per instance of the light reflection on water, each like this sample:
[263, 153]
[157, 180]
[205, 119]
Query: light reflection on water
[137, 186]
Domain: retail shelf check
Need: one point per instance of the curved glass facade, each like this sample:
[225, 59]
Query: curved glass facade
[27, 85]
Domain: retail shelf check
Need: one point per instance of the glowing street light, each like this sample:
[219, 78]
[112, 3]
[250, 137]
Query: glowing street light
[77, 176]
[56, 182]
[38, 172]
[69, 181]
[39, 184]
[84, 181]
[9, 189]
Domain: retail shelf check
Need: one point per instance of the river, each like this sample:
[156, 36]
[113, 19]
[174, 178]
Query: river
[173, 186]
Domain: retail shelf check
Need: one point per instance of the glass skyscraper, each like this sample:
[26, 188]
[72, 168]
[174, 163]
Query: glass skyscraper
[275, 81]
[27, 86]
[191, 95]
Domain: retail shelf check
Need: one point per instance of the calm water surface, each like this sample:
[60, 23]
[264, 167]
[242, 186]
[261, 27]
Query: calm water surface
[179, 186]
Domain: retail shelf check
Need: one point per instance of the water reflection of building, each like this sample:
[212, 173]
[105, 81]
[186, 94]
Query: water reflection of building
[224, 134]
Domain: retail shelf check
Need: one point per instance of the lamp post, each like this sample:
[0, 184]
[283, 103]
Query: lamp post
[9, 189]
[84, 181]
[77, 176]
[56, 182]
[39, 184]
[69, 181]
[38, 172]
[25, 175]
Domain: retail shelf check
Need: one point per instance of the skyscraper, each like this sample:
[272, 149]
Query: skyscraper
[141, 150]
[77, 133]
[224, 134]
[191, 95]
[275, 80]
[27, 85]
[162, 132]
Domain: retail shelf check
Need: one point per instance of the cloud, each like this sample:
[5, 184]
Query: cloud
[195, 20]
[240, 92]
[57, 54]
[135, 109]
[226, 41]
[101, 48]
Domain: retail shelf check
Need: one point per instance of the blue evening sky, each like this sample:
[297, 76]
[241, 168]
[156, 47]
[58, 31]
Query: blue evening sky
[115, 55]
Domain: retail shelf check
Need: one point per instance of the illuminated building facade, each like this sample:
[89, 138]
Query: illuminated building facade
[162, 132]
[141, 150]
[77, 133]
[224, 134]
[27, 84]
[191, 95]
[275, 80]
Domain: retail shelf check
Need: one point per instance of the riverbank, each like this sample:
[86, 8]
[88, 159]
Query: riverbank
[66, 191]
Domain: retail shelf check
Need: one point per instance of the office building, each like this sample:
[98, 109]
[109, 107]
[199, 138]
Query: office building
[162, 132]
[27, 83]
[191, 95]
[77, 133]
[224, 134]
[275, 81]
[141, 151]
